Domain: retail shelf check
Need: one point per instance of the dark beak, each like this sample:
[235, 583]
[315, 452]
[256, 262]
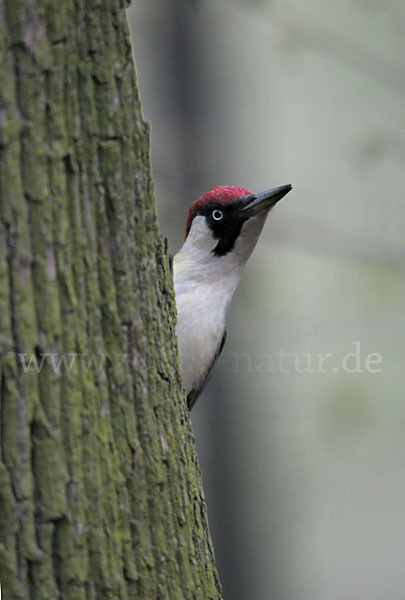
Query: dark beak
[265, 200]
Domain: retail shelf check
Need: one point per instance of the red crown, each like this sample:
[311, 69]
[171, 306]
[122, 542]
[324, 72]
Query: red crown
[221, 193]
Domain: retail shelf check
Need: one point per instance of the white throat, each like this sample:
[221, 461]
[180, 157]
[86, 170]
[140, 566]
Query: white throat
[196, 262]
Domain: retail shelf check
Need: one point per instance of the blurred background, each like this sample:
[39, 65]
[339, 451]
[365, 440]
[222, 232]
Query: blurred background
[303, 463]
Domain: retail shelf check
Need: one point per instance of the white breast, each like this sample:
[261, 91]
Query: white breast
[204, 285]
[200, 328]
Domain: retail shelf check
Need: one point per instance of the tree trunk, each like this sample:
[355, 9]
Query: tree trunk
[100, 490]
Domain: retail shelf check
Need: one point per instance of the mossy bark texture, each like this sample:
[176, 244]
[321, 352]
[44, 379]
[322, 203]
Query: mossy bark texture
[100, 491]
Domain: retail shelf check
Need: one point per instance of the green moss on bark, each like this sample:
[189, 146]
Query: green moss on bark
[100, 489]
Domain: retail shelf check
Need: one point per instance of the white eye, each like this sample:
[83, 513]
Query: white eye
[217, 215]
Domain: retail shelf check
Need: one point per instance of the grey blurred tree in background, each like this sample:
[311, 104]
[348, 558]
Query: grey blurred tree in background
[303, 470]
[100, 491]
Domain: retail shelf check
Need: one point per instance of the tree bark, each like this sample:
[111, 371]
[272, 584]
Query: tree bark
[100, 489]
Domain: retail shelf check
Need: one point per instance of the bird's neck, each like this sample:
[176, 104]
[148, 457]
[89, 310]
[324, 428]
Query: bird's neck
[215, 282]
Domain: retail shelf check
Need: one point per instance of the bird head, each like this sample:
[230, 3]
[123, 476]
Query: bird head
[224, 224]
